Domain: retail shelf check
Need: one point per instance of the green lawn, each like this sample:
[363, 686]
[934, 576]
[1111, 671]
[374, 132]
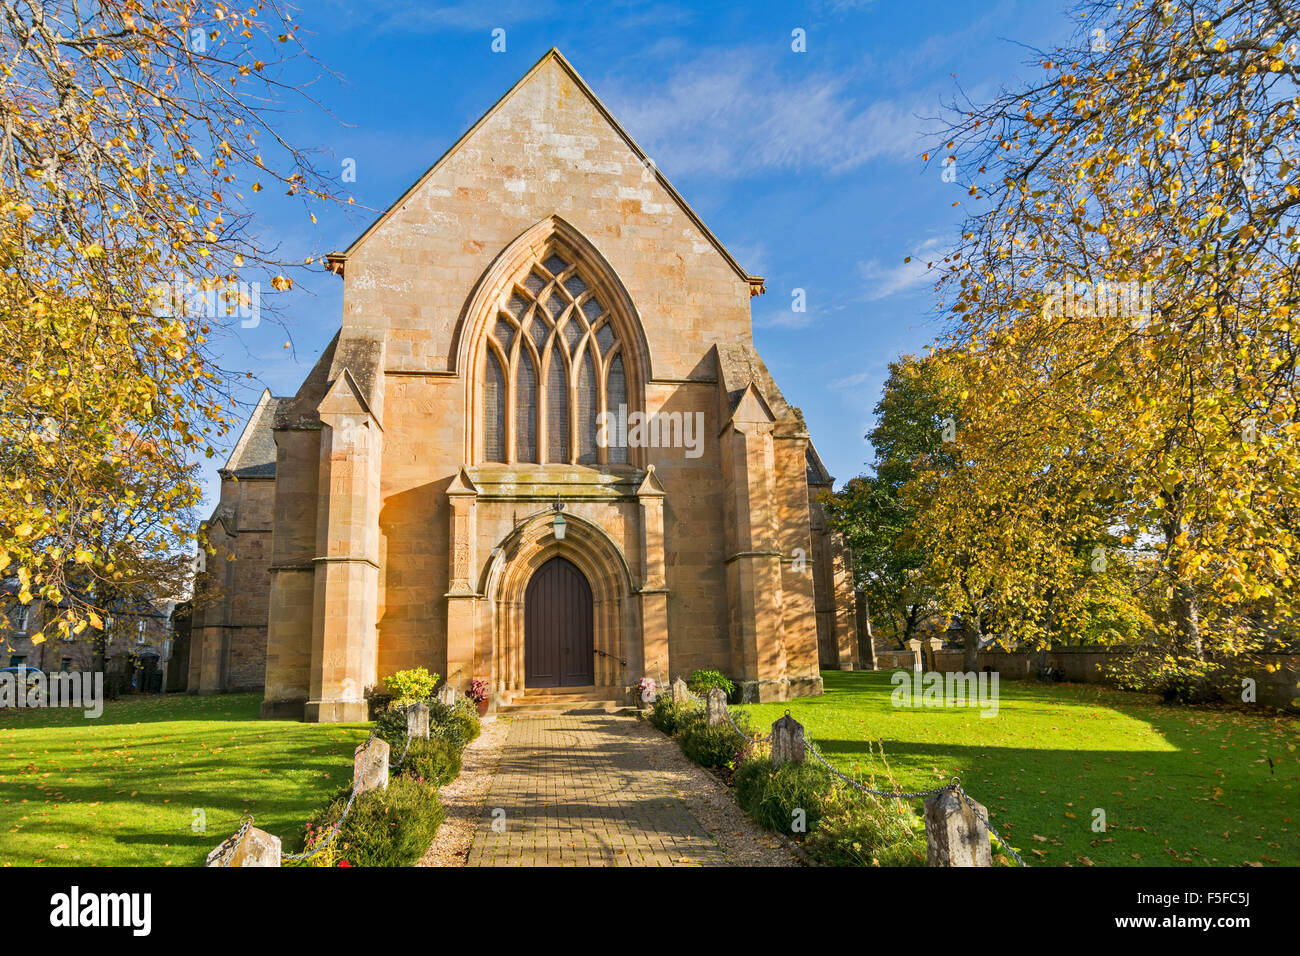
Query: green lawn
[1178, 785]
[122, 789]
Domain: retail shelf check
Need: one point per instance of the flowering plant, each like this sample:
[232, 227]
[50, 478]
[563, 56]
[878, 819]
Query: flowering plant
[478, 691]
[647, 689]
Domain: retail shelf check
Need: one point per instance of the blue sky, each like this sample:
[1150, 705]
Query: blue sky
[805, 164]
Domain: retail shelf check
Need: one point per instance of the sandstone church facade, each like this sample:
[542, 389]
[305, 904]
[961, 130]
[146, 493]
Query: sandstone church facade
[443, 490]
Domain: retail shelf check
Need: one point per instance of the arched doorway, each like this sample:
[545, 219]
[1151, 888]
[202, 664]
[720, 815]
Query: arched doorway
[558, 645]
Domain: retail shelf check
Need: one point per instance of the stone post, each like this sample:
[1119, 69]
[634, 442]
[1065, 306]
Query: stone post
[715, 706]
[679, 692]
[448, 695]
[370, 766]
[787, 741]
[417, 719]
[955, 833]
[257, 848]
[915, 647]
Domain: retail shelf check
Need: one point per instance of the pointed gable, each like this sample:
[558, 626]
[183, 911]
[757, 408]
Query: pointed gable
[547, 150]
[554, 69]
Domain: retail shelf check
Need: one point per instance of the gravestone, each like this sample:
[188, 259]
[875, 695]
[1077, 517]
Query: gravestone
[955, 832]
[448, 695]
[370, 766]
[680, 694]
[417, 720]
[715, 706]
[787, 741]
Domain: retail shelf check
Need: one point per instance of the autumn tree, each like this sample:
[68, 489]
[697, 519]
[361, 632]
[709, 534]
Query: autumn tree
[133, 134]
[1124, 295]
[913, 418]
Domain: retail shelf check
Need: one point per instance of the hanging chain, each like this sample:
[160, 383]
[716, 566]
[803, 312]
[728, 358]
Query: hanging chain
[245, 824]
[338, 824]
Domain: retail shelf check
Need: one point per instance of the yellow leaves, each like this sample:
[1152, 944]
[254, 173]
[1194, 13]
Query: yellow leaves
[93, 251]
[281, 283]
[1276, 65]
[24, 530]
[38, 637]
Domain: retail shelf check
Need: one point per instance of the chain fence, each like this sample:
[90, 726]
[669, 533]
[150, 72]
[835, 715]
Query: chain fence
[809, 747]
[247, 822]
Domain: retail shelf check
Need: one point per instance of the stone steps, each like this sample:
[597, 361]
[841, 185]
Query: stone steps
[556, 704]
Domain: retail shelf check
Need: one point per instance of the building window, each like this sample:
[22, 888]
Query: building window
[23, 618]
[17, 660]
[494, 410]
[66, 665]
[139, 631]
[552, 357]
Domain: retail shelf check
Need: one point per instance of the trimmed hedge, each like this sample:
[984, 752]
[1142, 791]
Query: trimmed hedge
[434, 762]
[838, 825]
[716, 746]
[392, 827]
[842, 827]
[458, 724]
[771, 795]
[395, 827]
[668, 715]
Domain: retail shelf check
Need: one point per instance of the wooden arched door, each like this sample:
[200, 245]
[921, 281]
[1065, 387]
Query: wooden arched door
[558, 648]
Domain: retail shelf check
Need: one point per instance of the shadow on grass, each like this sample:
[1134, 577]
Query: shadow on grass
[1173, 785]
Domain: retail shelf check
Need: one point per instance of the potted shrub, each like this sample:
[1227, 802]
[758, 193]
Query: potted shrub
[478, 693]
[647, 689]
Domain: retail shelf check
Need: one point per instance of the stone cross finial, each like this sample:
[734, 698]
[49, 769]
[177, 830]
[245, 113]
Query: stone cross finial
[715, 706]
[955, 831]
[370, 766]
[417, 719]
[787, 741]
[257, 848]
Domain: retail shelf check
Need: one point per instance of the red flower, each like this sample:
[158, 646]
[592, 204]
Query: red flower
[344, 863]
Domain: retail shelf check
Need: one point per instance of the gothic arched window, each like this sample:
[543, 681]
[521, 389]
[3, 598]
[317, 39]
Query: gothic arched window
[494, 410]
[562, 367]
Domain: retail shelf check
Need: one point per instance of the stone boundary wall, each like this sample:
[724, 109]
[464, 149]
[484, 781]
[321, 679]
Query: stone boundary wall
[1279, 687]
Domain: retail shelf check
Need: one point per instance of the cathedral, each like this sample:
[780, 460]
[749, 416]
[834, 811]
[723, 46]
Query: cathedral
[541, 451]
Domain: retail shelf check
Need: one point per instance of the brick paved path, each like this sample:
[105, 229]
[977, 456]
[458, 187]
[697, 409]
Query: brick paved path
[579, 790]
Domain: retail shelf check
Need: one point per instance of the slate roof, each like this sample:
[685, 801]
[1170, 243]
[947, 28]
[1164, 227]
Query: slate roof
[254, 454]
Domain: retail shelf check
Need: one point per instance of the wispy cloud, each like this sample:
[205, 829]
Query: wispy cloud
[853, 381]
[884, 281]
[735, 113]
[418, 16]
[788, 319]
